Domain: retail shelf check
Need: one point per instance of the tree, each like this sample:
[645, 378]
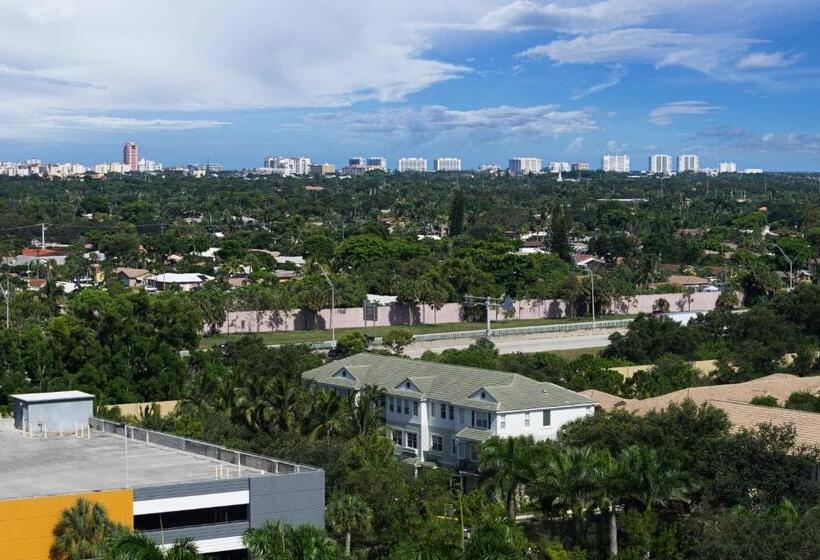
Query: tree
[506, 464]
[348, 514]
[397, 340]
[80, 531]
[560, 227]
[278, 541]
[456, 222]
[350, 344]
[649, 480]
[142, 547]
[661, 305]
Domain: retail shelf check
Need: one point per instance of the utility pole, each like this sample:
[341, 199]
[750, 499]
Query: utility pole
[791, 266]
[7, 296]
[42, 236]
[592, 289]
[488, 303]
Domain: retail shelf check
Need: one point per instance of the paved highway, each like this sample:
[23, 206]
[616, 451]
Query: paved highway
[528, 343]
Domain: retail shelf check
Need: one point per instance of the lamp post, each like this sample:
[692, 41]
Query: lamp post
[7, 296]
[592, 288]
[332, 303]
[791, 266]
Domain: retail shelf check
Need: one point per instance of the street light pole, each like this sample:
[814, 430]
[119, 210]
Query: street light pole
[592, 285]
[332, 303]
[7, 296]
[791, 266]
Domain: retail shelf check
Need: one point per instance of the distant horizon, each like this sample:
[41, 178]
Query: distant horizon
[558, 79]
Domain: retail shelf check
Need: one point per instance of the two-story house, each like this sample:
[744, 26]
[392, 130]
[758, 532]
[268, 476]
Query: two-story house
[440, 412]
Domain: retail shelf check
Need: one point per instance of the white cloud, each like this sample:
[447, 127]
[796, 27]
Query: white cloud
[119, 123]
[665, 114]
[761, 60]
[618, 73]
[431, 120]
[576, 145]
[660, 47]
[613, 146]
[96, 56]
[525, 15]
[740, 138]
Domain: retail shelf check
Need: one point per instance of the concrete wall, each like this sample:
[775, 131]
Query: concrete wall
[515, 422]
[395, 315]
[297, 498]
[52, 416]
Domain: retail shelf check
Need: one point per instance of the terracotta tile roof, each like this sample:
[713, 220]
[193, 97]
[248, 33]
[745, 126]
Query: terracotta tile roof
[747, 416]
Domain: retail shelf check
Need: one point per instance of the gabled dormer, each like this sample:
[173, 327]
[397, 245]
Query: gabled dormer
[345, 374]
[484, 395]
[413, 385]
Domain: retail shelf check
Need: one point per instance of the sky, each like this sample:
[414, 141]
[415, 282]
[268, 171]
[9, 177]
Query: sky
[483, 80]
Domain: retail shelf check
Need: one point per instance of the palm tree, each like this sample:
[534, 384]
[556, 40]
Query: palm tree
[141, 547]
[608, 493]
[506, 463]
[80, 531]
[277, 541]
[267, 542]
[647, 479]
[347, 514]
[571, 479]
[326, 416]
[365, 412]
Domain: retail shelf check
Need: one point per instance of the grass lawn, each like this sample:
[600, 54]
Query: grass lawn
[300, 337]
[577, 352]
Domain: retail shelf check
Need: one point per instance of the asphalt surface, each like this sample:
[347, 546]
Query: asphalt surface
[528, 343]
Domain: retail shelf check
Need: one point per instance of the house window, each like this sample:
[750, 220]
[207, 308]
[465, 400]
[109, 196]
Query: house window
[437, 443]
[454, 447]
[397, 437]
[443, 411]
[503, 420]
[415, 408]
[406, 406]
[432, 409]
[526, 419]
[482, 420]
[412, 440]
[391, 404]
[461, 415]
[450, 407]
[547, 418]
[407, 385]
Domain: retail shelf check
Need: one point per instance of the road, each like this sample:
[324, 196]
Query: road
[528, 343]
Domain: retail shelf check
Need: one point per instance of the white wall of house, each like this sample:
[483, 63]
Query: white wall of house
[532, 422]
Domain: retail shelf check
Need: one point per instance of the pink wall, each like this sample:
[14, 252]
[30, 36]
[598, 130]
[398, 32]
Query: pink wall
[351, 317]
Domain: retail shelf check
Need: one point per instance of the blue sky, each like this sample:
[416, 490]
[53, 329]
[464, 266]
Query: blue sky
[483, 80]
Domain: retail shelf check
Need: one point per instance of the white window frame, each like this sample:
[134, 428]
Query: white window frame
[526, 419]
[433, 443]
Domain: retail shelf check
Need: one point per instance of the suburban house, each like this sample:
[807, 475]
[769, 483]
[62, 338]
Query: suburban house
[132, 277]
[185, 281]
[440, 412]
[686, 281]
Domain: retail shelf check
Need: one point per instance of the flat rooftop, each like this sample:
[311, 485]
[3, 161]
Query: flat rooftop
[70, 464]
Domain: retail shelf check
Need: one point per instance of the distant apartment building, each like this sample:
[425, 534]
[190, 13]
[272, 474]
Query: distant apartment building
[412, 164]
[149, 166]
[447, 164]
[524, 165]
[727, 167]
[288, 165]
[559, 166]
[112, 167]
[65, 169]
[579, 166]
[376, 163]
[322, 168]
[688, 162]
[131, 155]
[660, 164]
[753, 171]
[489, 168]
[615, 163]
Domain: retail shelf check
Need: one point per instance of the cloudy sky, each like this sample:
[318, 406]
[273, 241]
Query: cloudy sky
[484, 80]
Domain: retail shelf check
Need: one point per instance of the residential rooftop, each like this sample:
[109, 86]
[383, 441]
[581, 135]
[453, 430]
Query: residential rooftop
[52, 396]
[460, 385]
[37, 466]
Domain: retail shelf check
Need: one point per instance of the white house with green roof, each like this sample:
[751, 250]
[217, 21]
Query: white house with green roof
[439, 412]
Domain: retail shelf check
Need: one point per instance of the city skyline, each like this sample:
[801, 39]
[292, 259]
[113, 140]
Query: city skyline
[484, 82]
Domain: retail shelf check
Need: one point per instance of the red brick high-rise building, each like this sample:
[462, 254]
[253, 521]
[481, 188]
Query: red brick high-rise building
[131, 155]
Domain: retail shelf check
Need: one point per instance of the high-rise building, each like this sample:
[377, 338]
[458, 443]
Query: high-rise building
[289, 165]
[322, 168]
[660, 164]
[131, 155]
[375, 163]
[358, 160]
[447, 164]
[579, 166]
[412, 164]
[727, 167]
[615, 163]
[559, 166]
[525, 165]
[688, 162]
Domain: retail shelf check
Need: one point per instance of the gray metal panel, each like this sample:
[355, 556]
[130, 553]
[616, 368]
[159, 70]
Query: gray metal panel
[182, 489]
[294, 498]
[202, 532]
[53, 415]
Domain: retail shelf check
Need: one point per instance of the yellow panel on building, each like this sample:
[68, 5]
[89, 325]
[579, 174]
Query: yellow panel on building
[26, 524]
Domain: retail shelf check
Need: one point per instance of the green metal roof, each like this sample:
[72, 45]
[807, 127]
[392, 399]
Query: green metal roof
[458, 385]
